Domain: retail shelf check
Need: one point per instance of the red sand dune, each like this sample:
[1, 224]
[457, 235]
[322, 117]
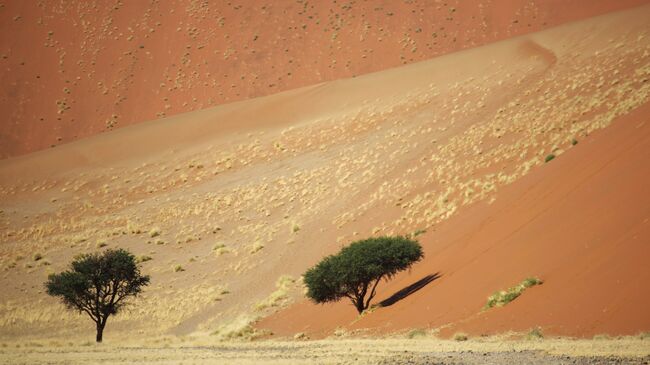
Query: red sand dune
[454, 144]
[72, 69]
[580, 223]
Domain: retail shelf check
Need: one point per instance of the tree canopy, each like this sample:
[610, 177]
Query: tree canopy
[358, 268]
[98, 284]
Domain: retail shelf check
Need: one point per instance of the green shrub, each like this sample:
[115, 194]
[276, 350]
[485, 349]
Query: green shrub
[501, 298]
[549, 157]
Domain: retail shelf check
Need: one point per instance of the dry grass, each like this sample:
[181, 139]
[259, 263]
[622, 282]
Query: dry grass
[213, 349]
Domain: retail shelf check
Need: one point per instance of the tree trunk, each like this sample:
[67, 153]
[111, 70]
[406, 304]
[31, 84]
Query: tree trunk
[100, 331]
[359, 304]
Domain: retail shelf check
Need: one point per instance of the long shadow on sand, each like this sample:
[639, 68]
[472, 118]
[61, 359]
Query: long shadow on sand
[409, 290]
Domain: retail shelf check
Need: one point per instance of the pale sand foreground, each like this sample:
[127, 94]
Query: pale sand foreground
[635, 350]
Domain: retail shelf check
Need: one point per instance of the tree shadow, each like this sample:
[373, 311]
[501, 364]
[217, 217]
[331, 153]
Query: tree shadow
[409, 290]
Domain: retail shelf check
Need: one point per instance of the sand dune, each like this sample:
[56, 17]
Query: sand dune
[76, 68]
[233, 203]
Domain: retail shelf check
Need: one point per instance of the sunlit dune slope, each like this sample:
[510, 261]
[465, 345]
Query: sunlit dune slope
[71, 69]
[228, 206]
[581, 223]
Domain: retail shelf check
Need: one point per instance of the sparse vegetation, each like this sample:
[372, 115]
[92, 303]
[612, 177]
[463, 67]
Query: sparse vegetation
[283, 284]
[98, 285]
[416, 332]
[256, 247]
[460, 337]
[549, 157]
[535, 334]
[154, 232]
[358, 268]
[37, 256]
[501, 298]
[144, 258]
[178, 268]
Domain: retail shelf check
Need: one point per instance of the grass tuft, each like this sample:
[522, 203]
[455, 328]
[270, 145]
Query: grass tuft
[535, 334]
[460, 337]
[549, 157]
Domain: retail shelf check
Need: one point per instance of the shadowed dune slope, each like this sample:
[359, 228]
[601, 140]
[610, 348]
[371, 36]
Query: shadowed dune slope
[226, 207]
[71, 69]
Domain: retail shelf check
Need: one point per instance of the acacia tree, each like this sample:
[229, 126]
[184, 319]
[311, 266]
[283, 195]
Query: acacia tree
[98, 284]
[357, 269]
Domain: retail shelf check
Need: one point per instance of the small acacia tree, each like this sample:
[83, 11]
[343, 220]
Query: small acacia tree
[358, 268]
[98, 284]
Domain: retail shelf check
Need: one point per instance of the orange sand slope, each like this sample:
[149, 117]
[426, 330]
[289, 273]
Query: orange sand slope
[75, 68]
[232, 204]
[581, 223]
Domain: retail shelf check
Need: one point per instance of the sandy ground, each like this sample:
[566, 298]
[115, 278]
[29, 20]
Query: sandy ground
[231, 204]
[76, 68]
[340, 351]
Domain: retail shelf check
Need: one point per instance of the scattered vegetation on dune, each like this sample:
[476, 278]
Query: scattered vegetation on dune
[279, 296]
[460, 337]
[535, 334]
[501, 298]
[549, 157]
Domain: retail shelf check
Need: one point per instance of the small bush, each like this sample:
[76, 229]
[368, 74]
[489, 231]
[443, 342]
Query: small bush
[154, 232]
[574, 142]
[143, 258]
[256, 247]
[37, 256]
[101, 244]
[416, 332]
[460, 337]
[549, 157]
[178, 268]
[501, 298]
[535, 334]
[300, 336]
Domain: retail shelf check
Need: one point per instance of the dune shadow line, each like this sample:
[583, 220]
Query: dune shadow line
[403, 293]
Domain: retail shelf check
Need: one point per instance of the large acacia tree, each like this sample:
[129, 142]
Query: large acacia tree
[98, 284]
[357, 269]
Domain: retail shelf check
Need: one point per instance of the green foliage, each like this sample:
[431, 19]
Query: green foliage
[98, 284]
[549, 157]
[357, 269]
[501, 298]
[574, 142]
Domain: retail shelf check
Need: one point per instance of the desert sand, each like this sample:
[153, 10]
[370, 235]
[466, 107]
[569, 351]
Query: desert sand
[76, 68]
[227, 206]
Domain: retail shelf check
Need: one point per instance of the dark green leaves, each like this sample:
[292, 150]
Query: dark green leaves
[355, 271]
[98, 284]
